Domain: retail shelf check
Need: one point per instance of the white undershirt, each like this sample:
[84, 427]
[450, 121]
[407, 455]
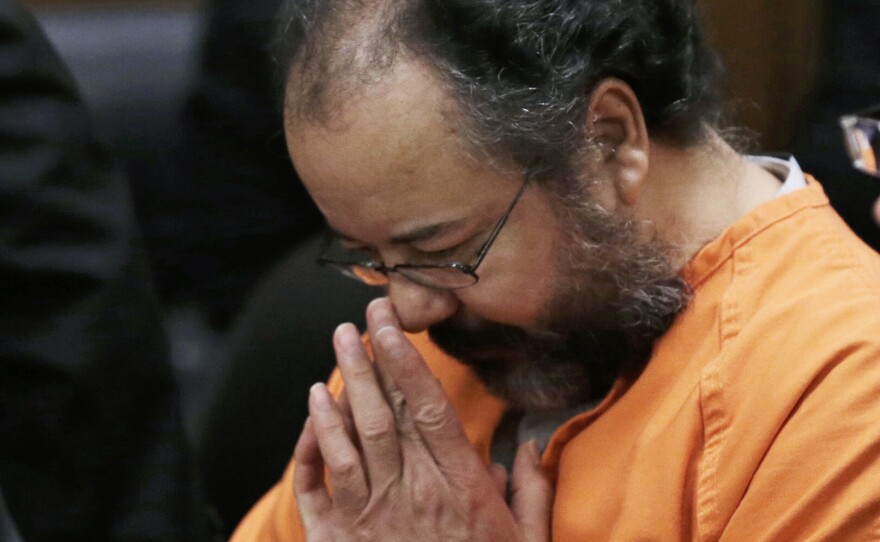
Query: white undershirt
[788, 171]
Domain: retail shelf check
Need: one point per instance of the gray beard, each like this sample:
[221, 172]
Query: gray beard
[539, 370]
[586, 340]
[548, 370]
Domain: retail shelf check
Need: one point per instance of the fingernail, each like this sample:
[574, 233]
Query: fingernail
[320, 397]
[532, 446]
[376, 304]
[347, 335]
[382, 310]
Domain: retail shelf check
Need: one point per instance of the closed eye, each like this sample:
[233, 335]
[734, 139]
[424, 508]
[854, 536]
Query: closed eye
[348, 250]
[438, 255]
[451, 254]
[354, 246]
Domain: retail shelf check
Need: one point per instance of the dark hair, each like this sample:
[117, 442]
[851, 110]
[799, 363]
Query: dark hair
[522, 70]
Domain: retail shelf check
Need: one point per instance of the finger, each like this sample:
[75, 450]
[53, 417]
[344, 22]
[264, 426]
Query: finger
[348, 418]
[339, 454]
[313, 501]
[531, 494]
[373, 418]
[498, 474]
[433, 416]
[877, 211]
[380, 313]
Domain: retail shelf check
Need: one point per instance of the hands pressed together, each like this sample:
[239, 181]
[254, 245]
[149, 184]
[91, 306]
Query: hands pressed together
[399, 466]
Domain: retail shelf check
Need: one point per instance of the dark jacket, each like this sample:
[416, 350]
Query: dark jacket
[91, 446]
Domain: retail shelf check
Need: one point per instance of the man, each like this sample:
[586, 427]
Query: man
[587, 267]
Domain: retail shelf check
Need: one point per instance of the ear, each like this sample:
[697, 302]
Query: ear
[616, 122]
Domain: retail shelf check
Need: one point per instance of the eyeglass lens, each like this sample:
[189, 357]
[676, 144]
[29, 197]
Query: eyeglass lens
[439, 277]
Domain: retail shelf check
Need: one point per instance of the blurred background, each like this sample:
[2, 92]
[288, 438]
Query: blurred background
[181, 93]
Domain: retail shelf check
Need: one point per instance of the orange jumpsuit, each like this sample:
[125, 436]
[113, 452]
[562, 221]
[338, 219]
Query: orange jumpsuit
[757, 417]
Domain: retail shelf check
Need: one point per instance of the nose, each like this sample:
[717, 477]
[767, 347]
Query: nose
[419, 307]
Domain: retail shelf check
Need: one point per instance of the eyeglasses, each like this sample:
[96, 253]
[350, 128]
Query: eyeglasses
[447, 276]
[862, 132]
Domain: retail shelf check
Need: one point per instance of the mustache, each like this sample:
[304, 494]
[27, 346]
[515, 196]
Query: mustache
[490, 340]
[481, 343]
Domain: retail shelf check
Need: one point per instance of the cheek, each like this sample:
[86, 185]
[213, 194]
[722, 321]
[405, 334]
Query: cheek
[519, 300]
[518, 282]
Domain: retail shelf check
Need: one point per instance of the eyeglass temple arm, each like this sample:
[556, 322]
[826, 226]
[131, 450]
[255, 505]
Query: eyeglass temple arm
[488, 244]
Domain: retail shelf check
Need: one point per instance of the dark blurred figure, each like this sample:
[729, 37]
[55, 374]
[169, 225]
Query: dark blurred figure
[91, 446]
[235, 207]
[849, 81]
[244, 229]
[279, 346]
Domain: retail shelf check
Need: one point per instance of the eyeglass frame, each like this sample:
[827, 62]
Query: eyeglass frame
[467, 269]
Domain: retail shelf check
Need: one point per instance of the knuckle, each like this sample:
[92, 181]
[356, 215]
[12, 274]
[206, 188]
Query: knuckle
[344, 467]
[397, 400]
[329, 424]
[423, 494]
[376, 428]
[432, 416]
[361, 371]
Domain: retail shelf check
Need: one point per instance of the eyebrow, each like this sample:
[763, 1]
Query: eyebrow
[424, 233]
[421, 233]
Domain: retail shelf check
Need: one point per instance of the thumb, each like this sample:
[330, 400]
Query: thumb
[498, 474]
[531, 494]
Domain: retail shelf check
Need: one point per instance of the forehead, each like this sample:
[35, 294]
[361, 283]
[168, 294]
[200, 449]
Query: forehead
[390, 157]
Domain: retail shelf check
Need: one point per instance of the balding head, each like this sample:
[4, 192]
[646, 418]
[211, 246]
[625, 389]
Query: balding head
[521, 71]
